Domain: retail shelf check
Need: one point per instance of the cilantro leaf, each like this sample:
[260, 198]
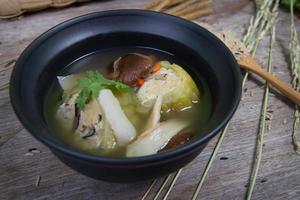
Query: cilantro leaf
[91, 85]
[82, 98]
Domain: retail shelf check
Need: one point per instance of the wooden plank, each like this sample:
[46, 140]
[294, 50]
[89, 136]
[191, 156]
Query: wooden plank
[278, 177]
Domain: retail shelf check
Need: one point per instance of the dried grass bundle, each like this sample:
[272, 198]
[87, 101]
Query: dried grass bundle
[188, 9]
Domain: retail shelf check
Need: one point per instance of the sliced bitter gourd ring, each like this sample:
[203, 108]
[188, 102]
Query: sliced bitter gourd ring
[173, 83]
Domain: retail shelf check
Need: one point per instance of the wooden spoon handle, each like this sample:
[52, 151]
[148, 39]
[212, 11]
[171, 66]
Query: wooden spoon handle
[248, 63]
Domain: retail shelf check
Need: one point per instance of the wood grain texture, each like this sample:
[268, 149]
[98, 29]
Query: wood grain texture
[278, 176]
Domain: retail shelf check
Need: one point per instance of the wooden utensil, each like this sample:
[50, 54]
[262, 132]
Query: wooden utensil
[247, 62]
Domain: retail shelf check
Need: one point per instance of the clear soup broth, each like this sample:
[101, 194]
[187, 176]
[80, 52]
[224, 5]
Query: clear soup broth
[196, 115]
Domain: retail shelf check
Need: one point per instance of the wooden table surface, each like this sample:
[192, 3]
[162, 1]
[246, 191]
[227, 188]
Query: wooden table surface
[278, 177]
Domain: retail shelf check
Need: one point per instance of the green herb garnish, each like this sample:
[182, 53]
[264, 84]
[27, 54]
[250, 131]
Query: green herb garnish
[92, 84]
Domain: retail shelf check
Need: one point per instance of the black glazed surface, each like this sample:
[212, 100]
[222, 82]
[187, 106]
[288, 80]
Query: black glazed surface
[51, 52]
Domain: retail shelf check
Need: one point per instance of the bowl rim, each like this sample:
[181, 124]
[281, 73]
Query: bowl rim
[121, 161]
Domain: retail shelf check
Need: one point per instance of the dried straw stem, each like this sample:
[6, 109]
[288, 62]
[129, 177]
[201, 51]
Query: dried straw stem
[262, 125]
[181, 6]
[172, 183]
[161, 5]
[4, 86]
[153, 4]
[295, 67]
[194, 8]
[269, 26]
[148, 190]
[208, 165]
[198, 13]
[188, 9]
[162, 187]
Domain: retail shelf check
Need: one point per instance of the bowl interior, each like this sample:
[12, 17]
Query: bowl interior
[201, 53]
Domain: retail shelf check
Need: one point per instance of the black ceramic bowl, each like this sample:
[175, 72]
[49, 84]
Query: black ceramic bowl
[204, 54]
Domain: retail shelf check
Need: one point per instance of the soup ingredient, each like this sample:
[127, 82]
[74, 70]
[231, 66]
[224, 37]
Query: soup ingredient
[174, 83]
[140, 82]
[66, 112]
[154, 117]
[90, 126]
[133, 109]
[131, 67]
[178, 139]
[156, 68]
[108, 141]
[153, 140]
[122, 127]
[89, 123]
[92, 84]
[69, 82]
